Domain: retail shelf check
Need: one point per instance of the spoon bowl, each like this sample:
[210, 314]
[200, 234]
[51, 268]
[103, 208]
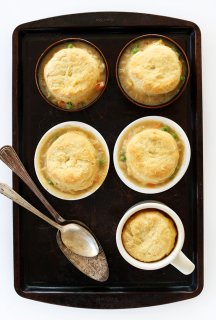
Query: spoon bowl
[79, 240]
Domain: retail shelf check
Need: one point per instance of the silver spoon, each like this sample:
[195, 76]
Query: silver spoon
[74, 236]
[94, 267]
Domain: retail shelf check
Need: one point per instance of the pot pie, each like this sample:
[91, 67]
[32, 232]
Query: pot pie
[71, 162]
[150, 154]
[149, 235]
[151, 71]
[72, 75]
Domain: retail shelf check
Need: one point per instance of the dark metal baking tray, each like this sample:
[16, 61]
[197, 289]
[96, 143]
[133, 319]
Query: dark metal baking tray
[41, 272]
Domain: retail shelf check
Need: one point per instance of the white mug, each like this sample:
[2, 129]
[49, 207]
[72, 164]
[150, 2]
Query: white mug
[177, 258]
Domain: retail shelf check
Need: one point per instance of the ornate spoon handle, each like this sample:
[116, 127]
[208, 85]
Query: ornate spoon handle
[9, 156]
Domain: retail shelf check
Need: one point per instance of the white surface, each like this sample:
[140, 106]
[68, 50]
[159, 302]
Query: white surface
[202, 12]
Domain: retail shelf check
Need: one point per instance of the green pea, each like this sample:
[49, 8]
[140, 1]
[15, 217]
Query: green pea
[135, 49]
[123, 157]
[50, 182]
[165, 128]
[70, 45]
[68, 106]
[100, 162]
[182, 78]
[174, 135]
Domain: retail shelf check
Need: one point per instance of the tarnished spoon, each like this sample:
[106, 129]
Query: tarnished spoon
[94, 267]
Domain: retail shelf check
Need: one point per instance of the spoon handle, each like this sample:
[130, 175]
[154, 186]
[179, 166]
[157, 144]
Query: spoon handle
[9, 156]
[11, 194]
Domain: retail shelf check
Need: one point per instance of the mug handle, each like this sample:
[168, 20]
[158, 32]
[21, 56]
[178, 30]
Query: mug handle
[183, 264]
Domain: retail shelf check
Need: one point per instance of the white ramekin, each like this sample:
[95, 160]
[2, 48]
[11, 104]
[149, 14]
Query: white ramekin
[176, 257]
[74, 124]
[181, 171]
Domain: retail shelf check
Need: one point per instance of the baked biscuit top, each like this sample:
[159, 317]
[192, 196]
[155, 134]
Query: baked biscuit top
[149, 235]
[152, 156]
[71, 162]
[155, 70]
[72, 74]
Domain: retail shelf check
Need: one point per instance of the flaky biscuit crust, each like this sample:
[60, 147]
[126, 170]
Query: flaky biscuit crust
[72, 74]
[155, 70]
[71, 162]
[152, 156]
[149, 235]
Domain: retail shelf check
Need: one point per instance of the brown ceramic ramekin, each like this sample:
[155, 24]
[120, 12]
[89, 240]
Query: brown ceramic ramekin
[182, 55]
[56, 45]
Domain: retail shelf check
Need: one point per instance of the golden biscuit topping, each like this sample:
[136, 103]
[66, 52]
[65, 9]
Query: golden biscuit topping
[149, 235]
